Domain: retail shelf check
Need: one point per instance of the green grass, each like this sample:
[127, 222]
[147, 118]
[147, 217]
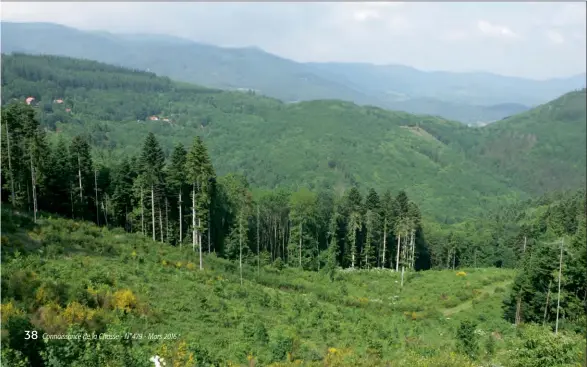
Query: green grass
[274, 312]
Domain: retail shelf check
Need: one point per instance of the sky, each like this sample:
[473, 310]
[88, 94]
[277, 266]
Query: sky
[536, 40]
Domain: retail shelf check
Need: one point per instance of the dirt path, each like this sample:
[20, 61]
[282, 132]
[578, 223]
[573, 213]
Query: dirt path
[489, 289]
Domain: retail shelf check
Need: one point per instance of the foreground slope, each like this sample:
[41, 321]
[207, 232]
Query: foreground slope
[319, 144]
[466, 97]
[61, 276]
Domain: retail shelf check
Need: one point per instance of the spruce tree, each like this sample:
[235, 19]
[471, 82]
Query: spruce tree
[176, 179]
[151, 162]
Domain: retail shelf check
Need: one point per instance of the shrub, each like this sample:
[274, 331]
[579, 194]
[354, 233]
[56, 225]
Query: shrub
[467, 339]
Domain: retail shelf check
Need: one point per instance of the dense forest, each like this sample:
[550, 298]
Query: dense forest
[62, 157]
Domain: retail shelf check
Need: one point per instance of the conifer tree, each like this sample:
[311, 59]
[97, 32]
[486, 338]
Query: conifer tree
[151, 163]
[83, 168]
[200, 175]
[176, 178]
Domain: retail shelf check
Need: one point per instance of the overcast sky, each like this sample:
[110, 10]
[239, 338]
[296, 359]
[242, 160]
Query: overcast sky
[536, 40]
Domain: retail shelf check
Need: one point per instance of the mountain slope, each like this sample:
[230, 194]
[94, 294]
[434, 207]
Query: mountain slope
[320, 144]
[399, 82]
[470, 98]
[539, 150]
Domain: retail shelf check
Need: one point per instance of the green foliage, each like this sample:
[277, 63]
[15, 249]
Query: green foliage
[254, 135]
[541, 347]
[467, 342]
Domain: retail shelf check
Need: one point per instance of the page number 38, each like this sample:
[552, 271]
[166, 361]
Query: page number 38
[31, 334]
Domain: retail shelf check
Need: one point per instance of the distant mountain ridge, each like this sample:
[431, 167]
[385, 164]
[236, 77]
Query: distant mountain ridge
[467, 97]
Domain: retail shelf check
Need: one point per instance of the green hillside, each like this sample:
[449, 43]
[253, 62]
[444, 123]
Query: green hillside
[539, 150]
[465, 97]
[65, 277]
[249, 232]
[319, 144]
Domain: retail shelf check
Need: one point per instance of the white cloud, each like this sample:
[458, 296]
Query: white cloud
[430, 36]
[495, 30]
[555, 37]
[363, 15]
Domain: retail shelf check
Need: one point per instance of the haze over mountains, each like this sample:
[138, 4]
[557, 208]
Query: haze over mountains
[467, 97]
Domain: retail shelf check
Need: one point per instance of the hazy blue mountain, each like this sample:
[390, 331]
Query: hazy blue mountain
[467, 97]
[399, 82]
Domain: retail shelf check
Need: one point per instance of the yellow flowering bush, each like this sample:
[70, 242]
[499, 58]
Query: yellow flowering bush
[125, 300]
[8, 310]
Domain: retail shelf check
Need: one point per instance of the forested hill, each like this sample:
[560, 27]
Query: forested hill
[539, 150]
[319, 144]
[466, 97]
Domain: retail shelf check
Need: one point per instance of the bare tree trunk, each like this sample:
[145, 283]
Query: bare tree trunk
[142, 212]
[413, 248]
[34, 184]
[200, 243]
[300, 247]
[71, 199]
[194, 240]
[384, 242]
[12, 194]
[560, 270]
[180, 222]
[398, 251]
[79, 175]
[105, 210]
[166, 220]
[240, 246]
[153, 210]
[160, 223]
[96, 199]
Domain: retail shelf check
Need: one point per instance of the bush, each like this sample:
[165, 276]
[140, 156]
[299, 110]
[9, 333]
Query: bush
[538, 346]
[467, 339]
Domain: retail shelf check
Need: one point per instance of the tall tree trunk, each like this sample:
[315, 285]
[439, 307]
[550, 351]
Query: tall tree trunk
[413, 240]
[142, 212]
[166, 220]
[300, 247]
[71, 199]
[79, 175]
[398, 252]
[240, 246]
[560, 270]
[34, 184]
[12, 194]
[160, 223]
[210, 226]
[200, 248]
[180, 221]
[153, 210]
[105, 210]
[384, 243]
[96, 198]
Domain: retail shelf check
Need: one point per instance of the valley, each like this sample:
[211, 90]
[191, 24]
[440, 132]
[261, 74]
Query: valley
[228, 228]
